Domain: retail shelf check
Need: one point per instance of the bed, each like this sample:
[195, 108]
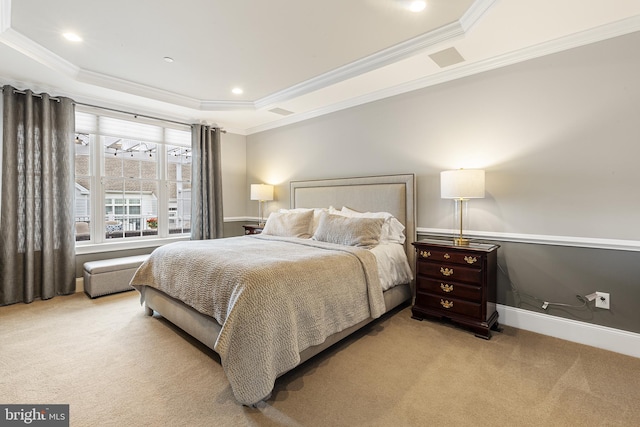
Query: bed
[261, 335]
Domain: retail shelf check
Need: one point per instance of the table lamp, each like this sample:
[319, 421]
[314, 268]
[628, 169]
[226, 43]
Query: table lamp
[261, 193]
[461, 185]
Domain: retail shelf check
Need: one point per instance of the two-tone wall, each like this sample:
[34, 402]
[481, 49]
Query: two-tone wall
[559, 138]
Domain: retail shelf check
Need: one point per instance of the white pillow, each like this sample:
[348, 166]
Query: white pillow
[392, 229]
[362, 232]
[289, 224]
[334, 211]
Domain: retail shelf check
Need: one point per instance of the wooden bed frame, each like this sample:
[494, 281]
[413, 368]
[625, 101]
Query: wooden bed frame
[391, 193]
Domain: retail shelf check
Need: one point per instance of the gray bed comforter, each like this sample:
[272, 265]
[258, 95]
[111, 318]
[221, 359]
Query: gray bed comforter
[273, 296]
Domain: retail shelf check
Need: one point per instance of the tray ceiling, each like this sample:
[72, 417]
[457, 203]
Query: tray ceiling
[292, 59]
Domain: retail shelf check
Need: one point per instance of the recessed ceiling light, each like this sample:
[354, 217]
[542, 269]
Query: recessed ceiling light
[72, 37]
[237, 90]
[168, 59]
[417, 6]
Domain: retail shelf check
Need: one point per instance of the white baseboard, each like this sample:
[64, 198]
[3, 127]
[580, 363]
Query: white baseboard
[603, 337]
[611, 339]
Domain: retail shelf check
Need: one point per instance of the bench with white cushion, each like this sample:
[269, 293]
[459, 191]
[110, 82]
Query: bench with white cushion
[109, 276]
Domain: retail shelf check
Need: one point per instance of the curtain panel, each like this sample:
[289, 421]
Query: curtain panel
[37, 247]
[207, 220]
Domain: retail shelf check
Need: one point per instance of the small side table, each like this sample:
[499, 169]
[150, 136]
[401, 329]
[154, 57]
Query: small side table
[458, 283]
[253, 229]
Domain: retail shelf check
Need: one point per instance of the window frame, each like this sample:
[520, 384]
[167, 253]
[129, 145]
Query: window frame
[97, 191]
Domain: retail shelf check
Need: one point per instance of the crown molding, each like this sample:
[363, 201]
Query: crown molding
[474, 13]
[5, 15]
[227, 105]
[604, 32]
[29, 48]
[138, 89]
[388, 56]
[132, 88]
[395, 53]
[385, 57]
[571, 41]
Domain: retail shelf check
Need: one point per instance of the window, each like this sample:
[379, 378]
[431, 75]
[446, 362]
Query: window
[133, 179]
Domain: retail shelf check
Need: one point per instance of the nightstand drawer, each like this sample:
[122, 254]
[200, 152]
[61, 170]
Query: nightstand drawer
[450, 272]
[448, 289]
[449, 305]
[457, 283]
[455, 257]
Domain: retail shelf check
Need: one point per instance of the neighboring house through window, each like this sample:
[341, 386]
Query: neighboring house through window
[133, 179]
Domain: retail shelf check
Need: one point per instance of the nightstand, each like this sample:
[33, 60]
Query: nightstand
[457, 283]
[253, 229]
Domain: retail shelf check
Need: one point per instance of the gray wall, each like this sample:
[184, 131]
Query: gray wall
[558, 138]
[559, 273]
[234, 175]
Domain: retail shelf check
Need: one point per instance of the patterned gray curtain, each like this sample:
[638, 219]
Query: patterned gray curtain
[37, 247]
[207, 219]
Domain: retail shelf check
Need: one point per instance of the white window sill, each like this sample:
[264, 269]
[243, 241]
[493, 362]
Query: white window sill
[124, 244]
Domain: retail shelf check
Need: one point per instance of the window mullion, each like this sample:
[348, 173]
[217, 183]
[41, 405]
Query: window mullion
[163, 199]
[97, 203]
[131, 197]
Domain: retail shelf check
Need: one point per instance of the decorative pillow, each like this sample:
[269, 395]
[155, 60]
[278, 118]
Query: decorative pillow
[289, 224]
[392, 229]
[316, 214]
[363, 232]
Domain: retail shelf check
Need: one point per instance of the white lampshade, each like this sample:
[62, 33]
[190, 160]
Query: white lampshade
[462, 184]
[261, 192]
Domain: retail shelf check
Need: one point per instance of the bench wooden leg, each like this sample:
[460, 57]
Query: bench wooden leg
[147, 310]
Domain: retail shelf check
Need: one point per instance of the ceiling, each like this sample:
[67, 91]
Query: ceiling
[293, 59]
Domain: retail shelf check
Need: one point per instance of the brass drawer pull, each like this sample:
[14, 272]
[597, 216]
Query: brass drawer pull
[446, 271]
[446, 287]
[447, 256]
[425, 254]
[446, 303]
[470, 259]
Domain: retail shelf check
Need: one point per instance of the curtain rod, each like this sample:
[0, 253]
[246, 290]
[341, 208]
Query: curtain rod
[39, 95]
[135, 115]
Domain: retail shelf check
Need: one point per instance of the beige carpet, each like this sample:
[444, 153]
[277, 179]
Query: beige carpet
[115, 366]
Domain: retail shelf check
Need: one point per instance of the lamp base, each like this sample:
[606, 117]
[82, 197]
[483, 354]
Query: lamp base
[459, 241]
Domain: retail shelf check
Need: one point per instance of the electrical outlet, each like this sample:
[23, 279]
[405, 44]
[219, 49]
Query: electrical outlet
[602, 300]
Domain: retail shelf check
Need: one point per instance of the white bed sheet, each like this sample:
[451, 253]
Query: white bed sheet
[393, 266]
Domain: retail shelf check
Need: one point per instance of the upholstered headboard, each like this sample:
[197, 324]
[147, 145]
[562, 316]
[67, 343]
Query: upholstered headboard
[389, 193]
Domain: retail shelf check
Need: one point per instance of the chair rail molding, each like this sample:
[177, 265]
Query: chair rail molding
[540, 239]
